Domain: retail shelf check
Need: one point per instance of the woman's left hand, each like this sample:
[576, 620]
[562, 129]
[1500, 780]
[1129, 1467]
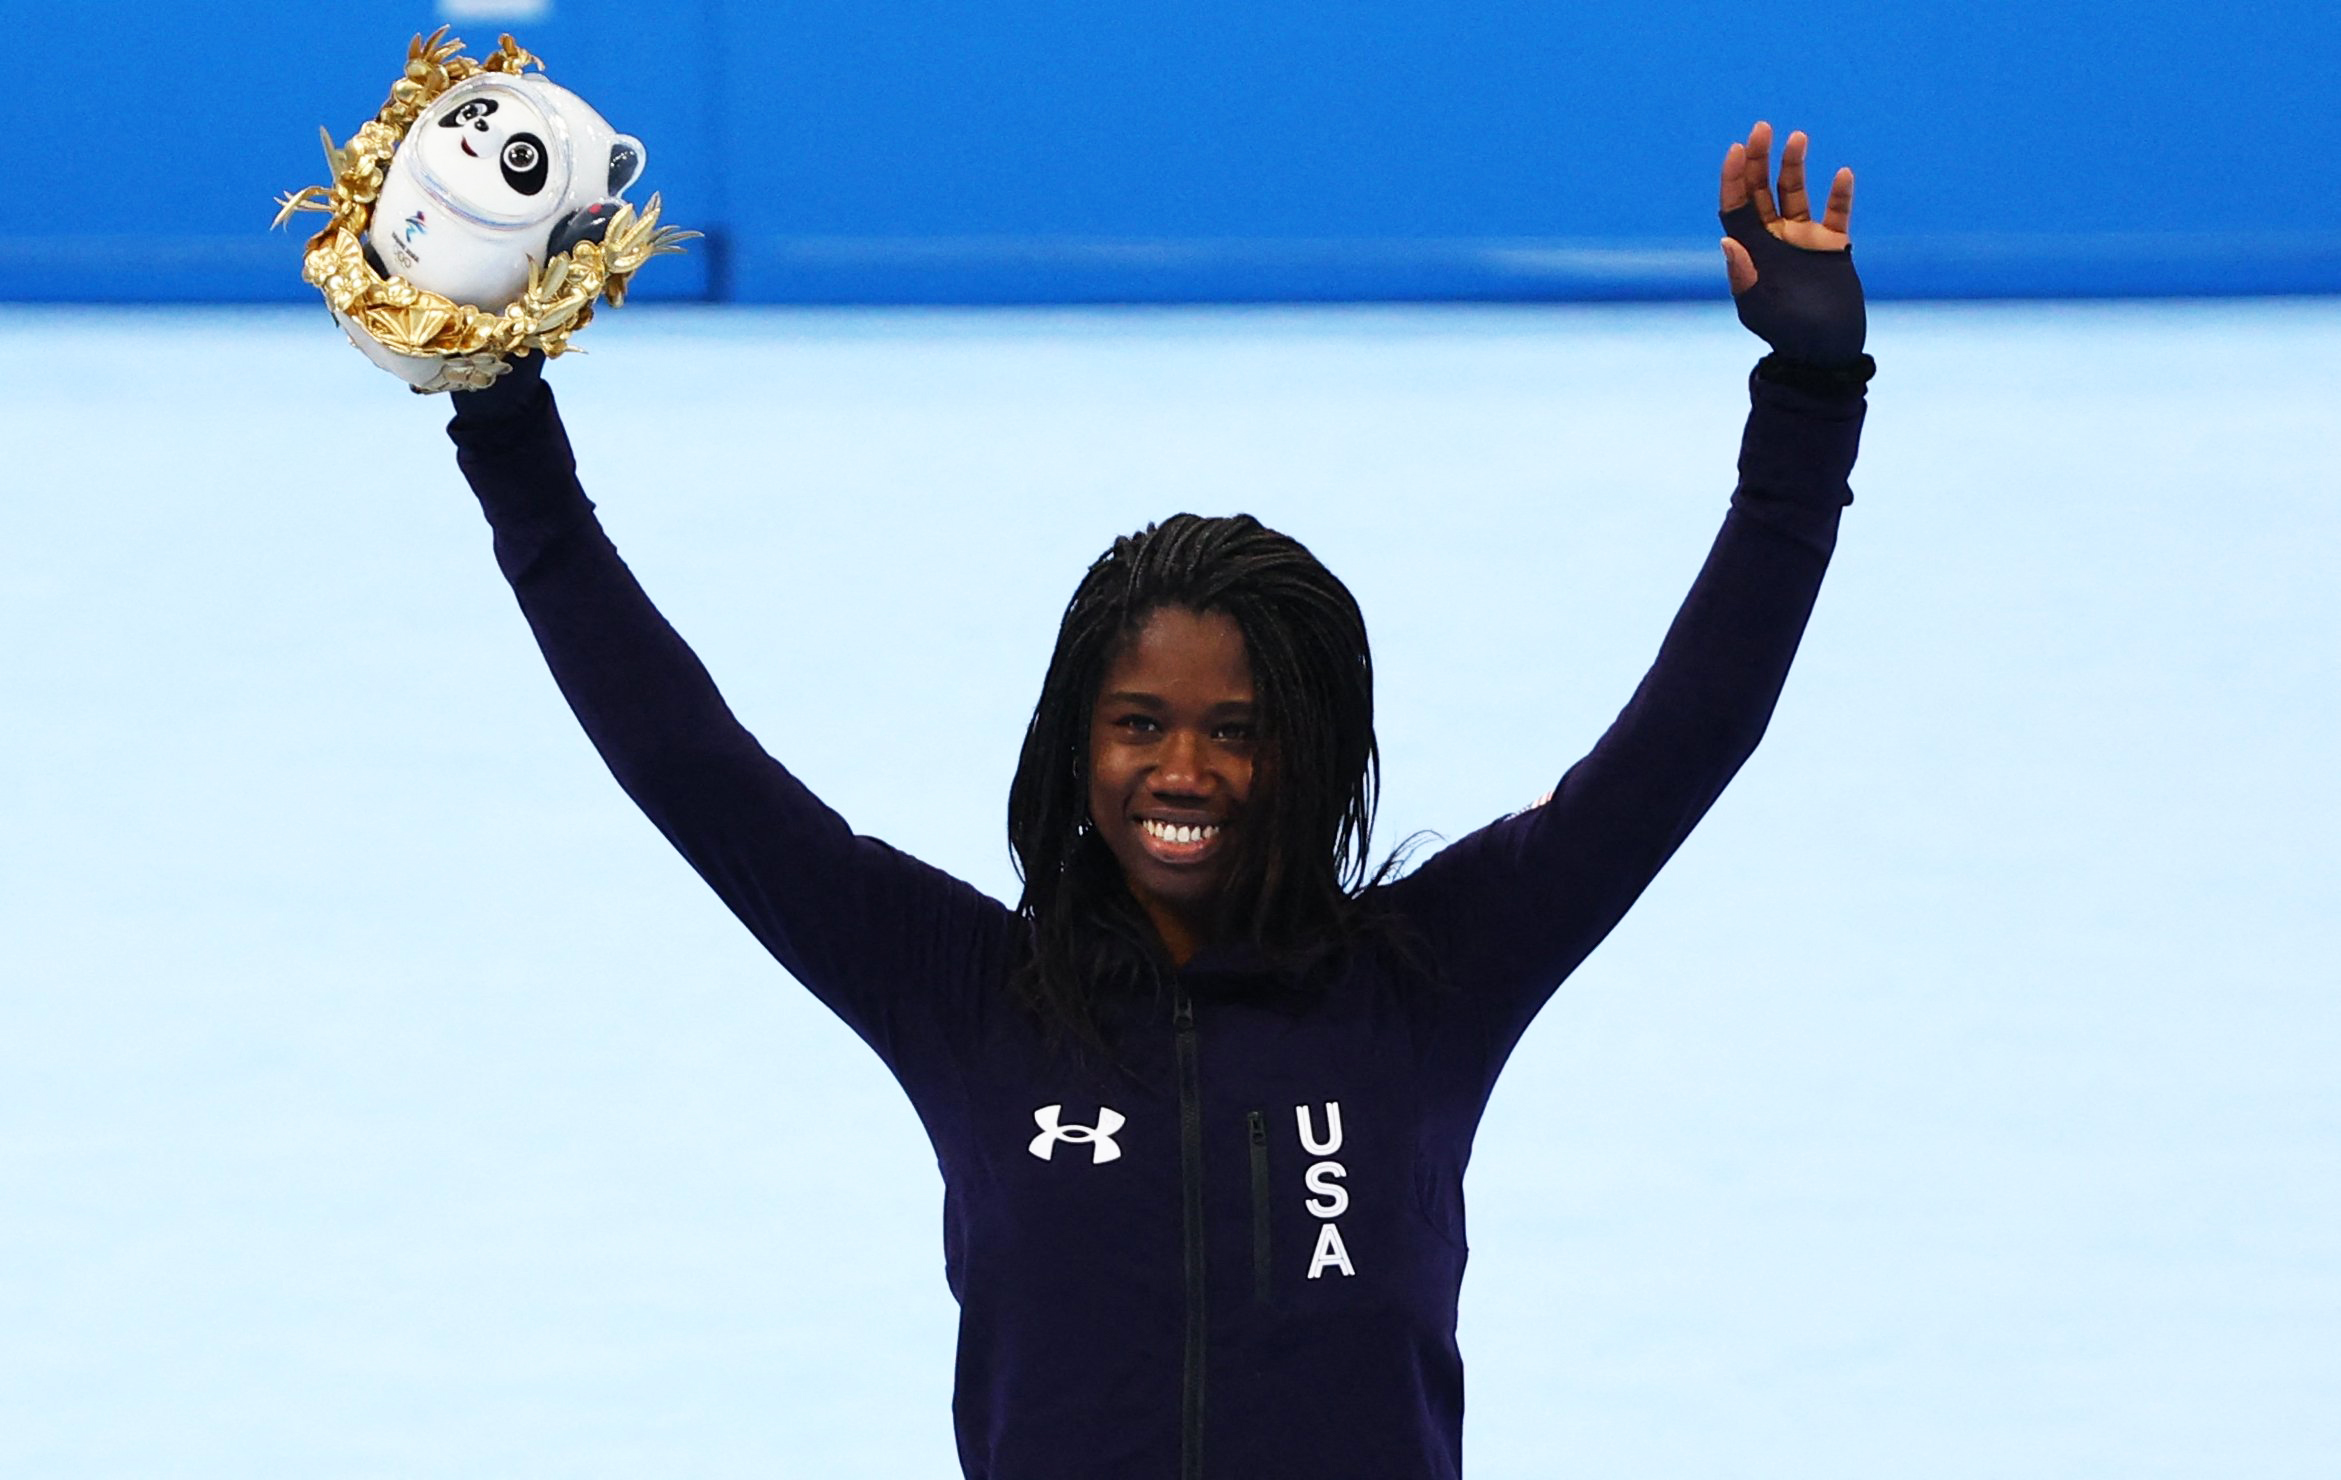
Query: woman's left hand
[1792, 277]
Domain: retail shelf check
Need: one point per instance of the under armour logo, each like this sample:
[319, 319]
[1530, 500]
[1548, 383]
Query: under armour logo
[1099, 1138]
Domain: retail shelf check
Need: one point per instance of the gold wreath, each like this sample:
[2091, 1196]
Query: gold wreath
[473, 342]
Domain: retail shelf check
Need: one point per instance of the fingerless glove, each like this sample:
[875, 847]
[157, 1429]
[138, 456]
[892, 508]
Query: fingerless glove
[1806, 304]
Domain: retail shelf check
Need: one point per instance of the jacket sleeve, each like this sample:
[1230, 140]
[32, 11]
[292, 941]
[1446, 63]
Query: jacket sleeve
[899, 950]
[1509, 911]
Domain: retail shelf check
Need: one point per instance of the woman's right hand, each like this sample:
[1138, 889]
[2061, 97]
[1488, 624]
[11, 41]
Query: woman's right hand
[508, 395]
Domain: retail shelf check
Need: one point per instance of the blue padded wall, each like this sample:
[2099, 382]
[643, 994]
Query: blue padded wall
[1048, 151]
[165, 132]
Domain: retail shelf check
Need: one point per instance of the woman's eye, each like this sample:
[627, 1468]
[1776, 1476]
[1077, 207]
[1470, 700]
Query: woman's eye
[1239, 734]
[1142, 723]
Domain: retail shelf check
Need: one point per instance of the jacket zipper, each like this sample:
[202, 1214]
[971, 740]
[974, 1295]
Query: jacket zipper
[1259, 1124]
[1191, 1189]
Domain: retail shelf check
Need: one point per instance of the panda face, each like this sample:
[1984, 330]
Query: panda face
[487, 150]
[522, 157]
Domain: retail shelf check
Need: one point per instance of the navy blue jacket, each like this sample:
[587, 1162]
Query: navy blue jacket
[1239, 1255]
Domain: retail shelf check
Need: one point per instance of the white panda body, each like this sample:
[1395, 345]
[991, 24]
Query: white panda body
[482, 179]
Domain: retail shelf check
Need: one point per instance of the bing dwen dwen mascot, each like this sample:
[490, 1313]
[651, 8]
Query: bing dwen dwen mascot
[478, 216]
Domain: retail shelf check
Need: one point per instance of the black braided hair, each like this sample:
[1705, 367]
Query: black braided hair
[1293, 884]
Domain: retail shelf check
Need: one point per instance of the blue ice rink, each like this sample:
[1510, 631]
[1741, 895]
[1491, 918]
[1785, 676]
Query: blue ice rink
[380, 1097]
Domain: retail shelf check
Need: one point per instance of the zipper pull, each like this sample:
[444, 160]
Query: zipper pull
[1259, 1128]
[1183, 1012]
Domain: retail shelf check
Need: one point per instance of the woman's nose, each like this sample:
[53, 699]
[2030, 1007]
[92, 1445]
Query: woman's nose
[1181, 766]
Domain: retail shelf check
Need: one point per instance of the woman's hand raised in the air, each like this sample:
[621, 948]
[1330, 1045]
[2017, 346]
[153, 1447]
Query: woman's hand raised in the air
[1792, 277]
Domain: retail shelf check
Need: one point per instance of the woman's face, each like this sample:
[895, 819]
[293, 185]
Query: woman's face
[1171, 747]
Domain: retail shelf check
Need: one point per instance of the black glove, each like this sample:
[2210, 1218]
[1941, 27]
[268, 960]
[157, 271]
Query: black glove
[1806, 304]
[508, 395]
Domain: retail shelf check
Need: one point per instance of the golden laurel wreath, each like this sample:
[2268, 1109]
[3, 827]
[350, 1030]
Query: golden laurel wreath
[472, 342]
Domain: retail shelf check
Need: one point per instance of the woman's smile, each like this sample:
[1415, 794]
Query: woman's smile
[1175, 842]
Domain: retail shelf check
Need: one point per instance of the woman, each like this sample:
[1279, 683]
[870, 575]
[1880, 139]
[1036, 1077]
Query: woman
[1204, 1099]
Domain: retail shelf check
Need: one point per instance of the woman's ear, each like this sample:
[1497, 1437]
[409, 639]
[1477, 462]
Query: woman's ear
[626, 161]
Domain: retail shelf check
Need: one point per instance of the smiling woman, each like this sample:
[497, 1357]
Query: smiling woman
[1235, 1246]
[1201, 766]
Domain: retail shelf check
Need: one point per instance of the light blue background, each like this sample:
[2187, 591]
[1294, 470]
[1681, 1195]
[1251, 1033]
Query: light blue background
[379, 1097]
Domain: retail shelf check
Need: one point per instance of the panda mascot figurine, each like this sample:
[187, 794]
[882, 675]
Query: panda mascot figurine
[497, 175]
[476, 219]
[500, 174]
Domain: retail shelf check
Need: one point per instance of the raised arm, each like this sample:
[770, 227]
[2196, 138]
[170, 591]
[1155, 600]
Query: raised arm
[896, 948]
[1512, 909]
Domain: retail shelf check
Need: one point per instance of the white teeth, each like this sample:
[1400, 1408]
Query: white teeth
[1180, 833]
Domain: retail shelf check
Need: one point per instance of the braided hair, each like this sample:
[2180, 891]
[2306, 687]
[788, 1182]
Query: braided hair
[1294, 881]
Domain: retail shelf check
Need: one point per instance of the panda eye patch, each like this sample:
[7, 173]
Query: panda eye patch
[524, 163]
[474, 112]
